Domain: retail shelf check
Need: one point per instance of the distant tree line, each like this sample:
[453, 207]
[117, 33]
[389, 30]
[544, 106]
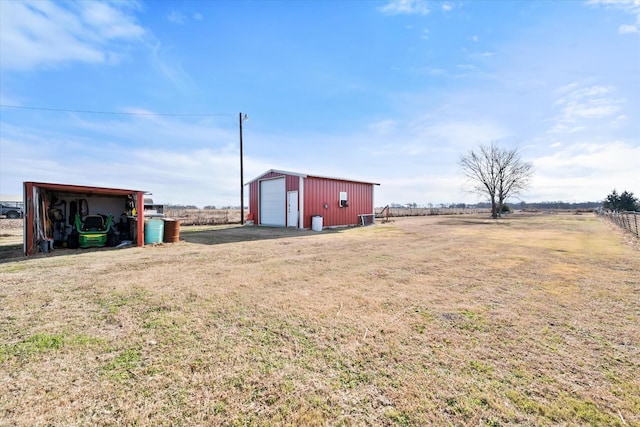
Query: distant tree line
[622, 202]
[487, 205]
[208, 207]
[559, 205]
[171, 206]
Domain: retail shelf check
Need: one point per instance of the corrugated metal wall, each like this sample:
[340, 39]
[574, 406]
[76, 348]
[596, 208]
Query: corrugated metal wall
[292, 184]
[321, 191]
[318, 192]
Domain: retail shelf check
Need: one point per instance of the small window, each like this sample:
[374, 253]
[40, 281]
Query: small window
[343, 199]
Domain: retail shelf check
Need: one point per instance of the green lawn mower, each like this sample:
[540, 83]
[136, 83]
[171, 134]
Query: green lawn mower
[92, 230]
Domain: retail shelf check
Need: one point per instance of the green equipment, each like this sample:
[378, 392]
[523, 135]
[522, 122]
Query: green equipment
[92, 230]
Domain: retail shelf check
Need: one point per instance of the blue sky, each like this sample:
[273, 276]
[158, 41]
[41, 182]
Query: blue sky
[386, 91]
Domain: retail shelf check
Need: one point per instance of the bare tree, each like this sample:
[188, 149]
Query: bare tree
[496, 172]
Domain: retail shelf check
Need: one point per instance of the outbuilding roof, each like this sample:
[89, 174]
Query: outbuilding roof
[305, 175]
[88, 190]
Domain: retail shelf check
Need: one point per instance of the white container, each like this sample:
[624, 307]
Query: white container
[316, 223]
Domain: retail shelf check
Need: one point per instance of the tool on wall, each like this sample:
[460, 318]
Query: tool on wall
[76, 207]
[57, 214]
[73, 209]
[83, 208]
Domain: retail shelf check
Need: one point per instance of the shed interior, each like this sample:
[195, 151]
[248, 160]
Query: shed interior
[60, 217]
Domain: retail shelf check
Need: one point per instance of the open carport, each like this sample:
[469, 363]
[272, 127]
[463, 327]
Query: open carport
[50, 211]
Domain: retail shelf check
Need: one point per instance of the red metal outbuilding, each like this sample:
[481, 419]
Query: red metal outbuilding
[49, 214]
[290, 199]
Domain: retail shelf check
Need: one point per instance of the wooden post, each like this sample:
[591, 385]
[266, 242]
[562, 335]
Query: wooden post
[241, 176]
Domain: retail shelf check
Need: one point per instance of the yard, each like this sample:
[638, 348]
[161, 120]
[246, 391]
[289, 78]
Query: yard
[460, 320]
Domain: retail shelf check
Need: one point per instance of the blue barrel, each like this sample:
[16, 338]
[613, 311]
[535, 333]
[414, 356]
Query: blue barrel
[153, 231]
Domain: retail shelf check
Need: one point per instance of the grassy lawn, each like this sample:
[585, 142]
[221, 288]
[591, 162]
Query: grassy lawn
[457, 320]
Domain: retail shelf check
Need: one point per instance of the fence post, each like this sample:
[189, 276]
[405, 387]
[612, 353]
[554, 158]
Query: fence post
[623, 220]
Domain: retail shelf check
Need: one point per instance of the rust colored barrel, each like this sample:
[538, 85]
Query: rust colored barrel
[171, 231]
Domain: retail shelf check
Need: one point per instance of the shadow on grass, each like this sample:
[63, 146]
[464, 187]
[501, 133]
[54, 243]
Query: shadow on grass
[505, 220]
[14, 253]
[10, 252]
[202, 235]
[474, 221]
[234, 234]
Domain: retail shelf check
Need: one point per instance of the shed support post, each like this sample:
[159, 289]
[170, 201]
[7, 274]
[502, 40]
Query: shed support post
[140, 210]
[28, 245]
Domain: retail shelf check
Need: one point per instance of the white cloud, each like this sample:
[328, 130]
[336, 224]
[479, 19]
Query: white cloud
[177, 18]
[570, 87]
[408, 7]
[109, 22]
[486, 54]
[38, 33]
[196, 161]
[178, 160]
[578, 171]
[580, 106]
[438, 141]
[628, 29]
[465, 134]
[425, 188]
[437, 72]
[383, 127]
[180, 18]
[165, 61]
[631, 7]
[591, 109]
[603, 158]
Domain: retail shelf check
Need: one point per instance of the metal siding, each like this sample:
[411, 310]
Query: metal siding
[318, 191]
[293, 183]
[300, 202]
[253, 200]
[313, 192]
[140, 219]
[29, 244]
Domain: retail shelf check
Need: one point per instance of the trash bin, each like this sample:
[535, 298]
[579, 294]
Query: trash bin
[316, 223]
[171, 231]
[153, 231]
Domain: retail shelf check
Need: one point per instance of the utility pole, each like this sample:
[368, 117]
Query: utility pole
[241, 173]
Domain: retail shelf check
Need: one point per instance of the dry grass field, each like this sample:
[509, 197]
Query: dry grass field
[460, 320]
[204, 216]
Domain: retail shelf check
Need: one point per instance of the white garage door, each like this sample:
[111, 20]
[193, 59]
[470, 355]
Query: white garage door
[272, 202]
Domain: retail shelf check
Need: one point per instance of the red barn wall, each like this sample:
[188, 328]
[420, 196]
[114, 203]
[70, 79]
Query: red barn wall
[321, 191]
[317, 192]
[253, 201]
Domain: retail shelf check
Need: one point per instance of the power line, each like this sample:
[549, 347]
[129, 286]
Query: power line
[64, 110]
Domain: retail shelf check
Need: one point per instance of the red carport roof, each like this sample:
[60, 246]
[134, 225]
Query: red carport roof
[84, 189]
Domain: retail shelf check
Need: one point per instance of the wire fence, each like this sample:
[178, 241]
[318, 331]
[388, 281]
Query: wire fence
[232, 216]
[203, 216]
[627, 220]
[397, 212]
